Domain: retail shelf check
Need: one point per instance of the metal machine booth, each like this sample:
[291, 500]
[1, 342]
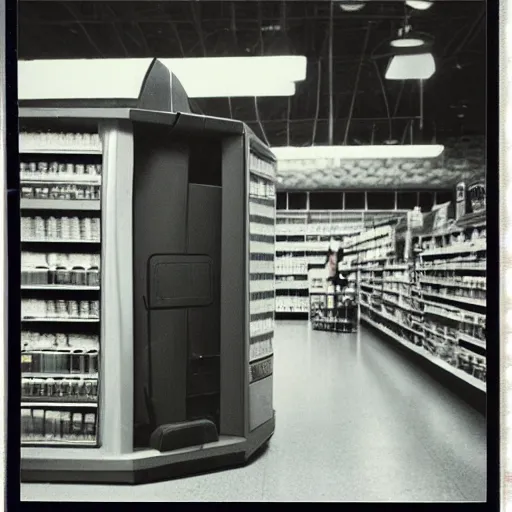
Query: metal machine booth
[147, 277]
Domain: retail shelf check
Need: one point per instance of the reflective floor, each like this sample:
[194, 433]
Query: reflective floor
[355, 422]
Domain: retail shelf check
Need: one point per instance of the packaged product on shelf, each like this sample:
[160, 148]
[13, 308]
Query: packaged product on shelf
[62, 309]
[56, 425]
[65, 228]
[38, 423]
[90, 170]
[90, 426]
[27, 228]
[62, 274]
[75, 383]
[49, 427]
[94, 388]
[77, 426]
[75, 228]
[64, 387]
[63, 363]
[93, 362]
[84, 309]
[51, 385]
[94, 310]
[27, 426]
[65, 425]
[75, 369]
[73, 309]
[49, 365]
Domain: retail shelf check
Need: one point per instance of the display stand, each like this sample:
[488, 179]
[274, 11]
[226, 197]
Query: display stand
[329, 311]
[148, 277]
[337, 318]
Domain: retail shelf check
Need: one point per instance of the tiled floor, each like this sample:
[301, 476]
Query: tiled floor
[355, 422]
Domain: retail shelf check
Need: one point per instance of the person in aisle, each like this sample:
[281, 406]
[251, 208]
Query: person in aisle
[333, 261]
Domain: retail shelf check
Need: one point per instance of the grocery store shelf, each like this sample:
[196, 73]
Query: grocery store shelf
[73, 351]
[396, 267]
[291, 285]
[58, 287]
[59, 179]
[60, 204]
[464, 300]
[450, 284]
[471, 339]
[439, 363]
[56, 150]
[62, 442]
[440, 267]
[463, 248]
[405, 307]
[395, 320]
[75, 376]
[372, 286]
[58, 241]
[440, 334]
[295, 315]
[69, 320]
[33, 402]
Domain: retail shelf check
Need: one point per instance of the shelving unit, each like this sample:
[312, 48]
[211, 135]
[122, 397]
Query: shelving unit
[302, 239]
[262, 250]
[431, 296]
[162, 320]
[452, 280]
[60, 179]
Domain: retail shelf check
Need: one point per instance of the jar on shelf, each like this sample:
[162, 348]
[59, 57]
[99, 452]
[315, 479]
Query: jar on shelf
[75, 232]
[93, 276]
[84, 309]
[74, 309]
[93, 361]
[79, 276]
[62, 275]
[62, 309]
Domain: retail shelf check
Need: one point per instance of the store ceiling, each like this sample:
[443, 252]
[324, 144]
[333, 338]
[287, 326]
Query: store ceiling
[454, 98]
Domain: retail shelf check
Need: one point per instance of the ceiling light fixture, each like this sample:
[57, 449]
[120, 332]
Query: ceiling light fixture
[238, 89]
[411, 67]
[420, 5]
[351, 6]
[358, 152]
[201, 77]
[409, 42]
[283, 68]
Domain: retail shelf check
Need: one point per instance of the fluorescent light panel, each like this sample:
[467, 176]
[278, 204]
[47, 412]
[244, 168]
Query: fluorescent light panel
[285, 68]
[81, 78]
[411, 67]
[239, 89]
[420, 5]
[358, 152]
[122, 78]
[352, 6]
[218, 77]
[407, 43]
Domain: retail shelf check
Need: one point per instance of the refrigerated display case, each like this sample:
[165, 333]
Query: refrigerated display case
[148, 245]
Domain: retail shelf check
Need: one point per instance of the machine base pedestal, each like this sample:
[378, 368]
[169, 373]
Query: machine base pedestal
[88, 465]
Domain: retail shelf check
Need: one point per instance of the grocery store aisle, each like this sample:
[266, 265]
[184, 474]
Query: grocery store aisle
[355, 422]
